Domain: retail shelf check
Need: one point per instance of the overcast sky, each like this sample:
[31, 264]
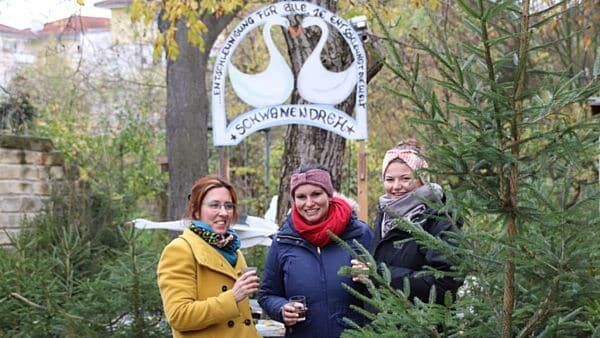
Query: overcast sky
[31, 13]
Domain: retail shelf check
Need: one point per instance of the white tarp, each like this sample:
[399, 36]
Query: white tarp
[252, 230]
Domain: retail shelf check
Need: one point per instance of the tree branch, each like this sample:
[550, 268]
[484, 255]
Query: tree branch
[26, 301]
[538, 317]
[38, 306]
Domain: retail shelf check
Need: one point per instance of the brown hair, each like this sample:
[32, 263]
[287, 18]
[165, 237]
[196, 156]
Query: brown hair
[199, 190]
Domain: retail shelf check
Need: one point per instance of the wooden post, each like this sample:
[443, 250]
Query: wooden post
[224, 163]
[267, 167]
[163, 161]
[363, 201]
[595, 108]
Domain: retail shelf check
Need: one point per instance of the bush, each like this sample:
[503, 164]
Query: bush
[62, 279]
[16, 114]
[74, 272]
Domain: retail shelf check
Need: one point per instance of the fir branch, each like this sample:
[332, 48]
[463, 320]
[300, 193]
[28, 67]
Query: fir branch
[41, 307]
[542, 312]
[383, 283]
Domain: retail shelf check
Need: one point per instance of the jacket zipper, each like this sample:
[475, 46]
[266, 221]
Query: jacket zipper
[289, 237]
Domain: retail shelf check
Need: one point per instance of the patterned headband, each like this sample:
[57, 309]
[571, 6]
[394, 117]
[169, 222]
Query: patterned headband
[407, 154]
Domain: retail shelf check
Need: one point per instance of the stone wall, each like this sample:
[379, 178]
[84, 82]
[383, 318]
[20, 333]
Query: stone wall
[28, 168]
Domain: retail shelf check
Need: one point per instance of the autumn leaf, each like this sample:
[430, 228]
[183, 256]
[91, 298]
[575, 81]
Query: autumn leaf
[434, 4]
[587, 42]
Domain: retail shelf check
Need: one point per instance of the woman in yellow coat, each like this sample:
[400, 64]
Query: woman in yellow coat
[203, 291]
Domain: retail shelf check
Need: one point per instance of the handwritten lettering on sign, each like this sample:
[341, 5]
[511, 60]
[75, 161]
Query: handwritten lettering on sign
[271, 110]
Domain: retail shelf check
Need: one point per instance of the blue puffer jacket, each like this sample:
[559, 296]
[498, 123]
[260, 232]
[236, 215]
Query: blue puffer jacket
[296, 267]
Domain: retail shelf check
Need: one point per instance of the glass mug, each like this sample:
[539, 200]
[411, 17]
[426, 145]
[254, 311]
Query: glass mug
[301, 311]
[250, 268]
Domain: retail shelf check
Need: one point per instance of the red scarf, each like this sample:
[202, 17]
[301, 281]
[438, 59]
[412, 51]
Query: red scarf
[336, 221]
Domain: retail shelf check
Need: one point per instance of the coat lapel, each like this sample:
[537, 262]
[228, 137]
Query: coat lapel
[209, 257]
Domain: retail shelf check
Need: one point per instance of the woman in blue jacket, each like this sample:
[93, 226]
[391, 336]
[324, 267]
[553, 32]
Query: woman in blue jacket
[303, 259]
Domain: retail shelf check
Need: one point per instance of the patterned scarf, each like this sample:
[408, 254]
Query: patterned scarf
[409, 206]
[226, 244]
[336, 221]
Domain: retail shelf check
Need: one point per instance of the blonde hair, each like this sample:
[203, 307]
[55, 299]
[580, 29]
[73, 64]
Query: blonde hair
[411, 143]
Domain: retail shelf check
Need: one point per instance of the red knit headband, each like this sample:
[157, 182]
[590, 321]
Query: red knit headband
[318, 177]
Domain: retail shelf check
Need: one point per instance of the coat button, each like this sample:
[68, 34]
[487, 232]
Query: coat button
[247, 322]
[224, 288]
[230, 323]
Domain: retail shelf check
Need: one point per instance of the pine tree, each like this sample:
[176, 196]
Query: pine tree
[508, 134]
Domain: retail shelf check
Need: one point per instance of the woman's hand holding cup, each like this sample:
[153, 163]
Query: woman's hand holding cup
[358, 265]
[294, 311]
[246, 285]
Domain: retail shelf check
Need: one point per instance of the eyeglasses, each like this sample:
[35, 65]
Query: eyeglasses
[217, 205]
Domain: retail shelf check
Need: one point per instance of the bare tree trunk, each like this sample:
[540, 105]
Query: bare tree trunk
[187, 112]
[512, 200]
[309, 143]
[302, 142]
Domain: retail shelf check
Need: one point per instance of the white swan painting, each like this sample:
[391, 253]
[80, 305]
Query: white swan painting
[272, 86]
[316, 83]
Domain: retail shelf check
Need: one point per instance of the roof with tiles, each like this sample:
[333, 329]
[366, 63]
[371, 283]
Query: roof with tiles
[73, 25]
[24, 33]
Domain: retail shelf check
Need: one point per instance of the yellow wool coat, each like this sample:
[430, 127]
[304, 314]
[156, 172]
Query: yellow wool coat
[196, 284]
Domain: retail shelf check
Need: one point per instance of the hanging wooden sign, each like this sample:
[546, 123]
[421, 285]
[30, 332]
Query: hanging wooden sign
[267, 92]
